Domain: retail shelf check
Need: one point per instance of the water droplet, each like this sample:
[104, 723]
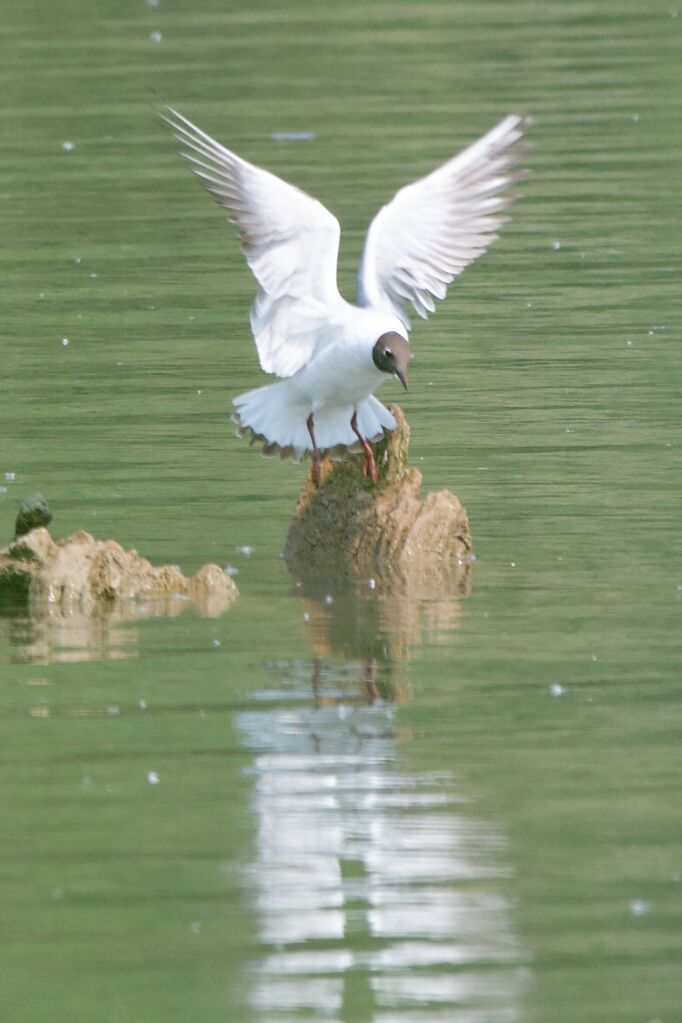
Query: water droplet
[68, 146]
[65, 341]
[639, 907]
[152, 778]
[306, 616]
[113, 711]
[329, 599]
[142, 704]
[372, 584]
[245, 550]
[10, 477]
[293, 136]
[230, 570]
[556, 246]
[216, 642]
[556, 689]
[155, 36]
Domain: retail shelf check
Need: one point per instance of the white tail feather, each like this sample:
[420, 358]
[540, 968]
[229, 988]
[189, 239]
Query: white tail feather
[273, 415]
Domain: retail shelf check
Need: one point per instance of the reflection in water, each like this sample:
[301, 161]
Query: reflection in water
[44, 639]
[373, 885]
[376, 890]
[381, 619]
[43, 634]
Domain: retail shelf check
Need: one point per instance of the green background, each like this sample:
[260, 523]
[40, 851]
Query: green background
[469, 847]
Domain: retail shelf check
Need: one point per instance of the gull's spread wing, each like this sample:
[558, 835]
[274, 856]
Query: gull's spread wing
[432, 229]
[290, 242]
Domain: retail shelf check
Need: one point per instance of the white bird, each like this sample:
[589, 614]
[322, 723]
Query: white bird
[330, 354]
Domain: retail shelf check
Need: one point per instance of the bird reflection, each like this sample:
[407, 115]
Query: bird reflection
[373, 886]
[378, 893]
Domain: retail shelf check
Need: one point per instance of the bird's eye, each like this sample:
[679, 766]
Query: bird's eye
[388, 353]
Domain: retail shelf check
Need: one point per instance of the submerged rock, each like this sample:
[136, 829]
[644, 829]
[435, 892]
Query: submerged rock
[350, 527]
[81, 574]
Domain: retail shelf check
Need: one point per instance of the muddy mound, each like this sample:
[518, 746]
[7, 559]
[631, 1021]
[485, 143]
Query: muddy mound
[350, 527]
[80, 574]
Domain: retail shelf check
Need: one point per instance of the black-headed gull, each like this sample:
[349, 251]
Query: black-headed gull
[333, 355]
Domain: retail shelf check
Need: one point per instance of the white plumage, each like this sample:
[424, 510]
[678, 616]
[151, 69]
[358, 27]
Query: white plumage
[321, 346]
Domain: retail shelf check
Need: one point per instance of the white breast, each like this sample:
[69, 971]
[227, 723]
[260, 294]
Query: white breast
[343, 373]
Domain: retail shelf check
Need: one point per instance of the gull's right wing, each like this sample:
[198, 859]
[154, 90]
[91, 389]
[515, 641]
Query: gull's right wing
[290, 241]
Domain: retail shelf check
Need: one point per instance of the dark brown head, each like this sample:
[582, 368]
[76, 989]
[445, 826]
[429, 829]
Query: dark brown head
[391, 354]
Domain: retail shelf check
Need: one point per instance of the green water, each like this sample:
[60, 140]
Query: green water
[401, 810]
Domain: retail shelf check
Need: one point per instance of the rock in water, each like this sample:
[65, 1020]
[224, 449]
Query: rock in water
[79, 574]
[34, 511]
[354, 529]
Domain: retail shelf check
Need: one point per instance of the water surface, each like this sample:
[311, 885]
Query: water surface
[459, 806]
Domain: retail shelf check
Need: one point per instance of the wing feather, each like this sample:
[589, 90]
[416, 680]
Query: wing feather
[435, 227]
[290, 242]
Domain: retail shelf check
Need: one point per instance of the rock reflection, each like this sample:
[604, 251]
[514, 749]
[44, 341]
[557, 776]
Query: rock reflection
[66, 600]
[42, 634]
[378, 894]
[380, 621]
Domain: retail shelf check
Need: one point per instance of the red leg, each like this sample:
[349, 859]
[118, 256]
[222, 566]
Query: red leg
[370, 465]
[316, 451]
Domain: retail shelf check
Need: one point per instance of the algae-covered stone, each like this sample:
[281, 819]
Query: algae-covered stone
[34, 512]
[351, 527]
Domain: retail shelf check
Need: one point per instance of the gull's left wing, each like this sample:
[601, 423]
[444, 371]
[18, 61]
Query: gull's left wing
[432, 229]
